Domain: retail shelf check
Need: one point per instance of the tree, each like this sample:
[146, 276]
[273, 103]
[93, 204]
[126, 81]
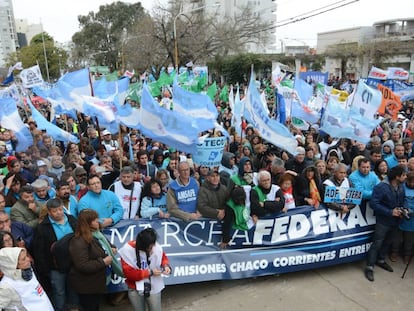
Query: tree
[201, 37]
[102, 34]
[35, 54]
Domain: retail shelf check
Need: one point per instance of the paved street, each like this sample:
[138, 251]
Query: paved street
[342, 287]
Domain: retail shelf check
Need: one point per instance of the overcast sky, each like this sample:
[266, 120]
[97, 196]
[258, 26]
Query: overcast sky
[59, 18]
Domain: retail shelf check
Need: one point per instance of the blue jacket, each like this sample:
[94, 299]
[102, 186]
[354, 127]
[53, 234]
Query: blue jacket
[106, 203]
[365, 183]
[384, 200]
[392, 161]
[150, 207]
[408, 224]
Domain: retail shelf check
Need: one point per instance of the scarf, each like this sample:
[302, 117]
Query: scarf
[314, 193]
[289, 200]
[115, 266]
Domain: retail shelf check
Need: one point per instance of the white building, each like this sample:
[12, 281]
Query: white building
[400, 31]
[28, 30]
[264, 10]
[8, 35]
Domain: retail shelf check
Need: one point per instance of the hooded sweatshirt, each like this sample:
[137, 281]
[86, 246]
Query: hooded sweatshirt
[16, 293]
[226, 166]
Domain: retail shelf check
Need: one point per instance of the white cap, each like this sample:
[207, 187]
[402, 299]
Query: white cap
[105, 132]
[41, 163]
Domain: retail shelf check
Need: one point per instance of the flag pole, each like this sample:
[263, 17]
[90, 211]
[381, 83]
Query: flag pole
[44, 53]
[96, 118]
[121, 149]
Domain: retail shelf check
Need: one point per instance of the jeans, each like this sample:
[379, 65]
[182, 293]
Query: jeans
[138, 301]
[380, 243]
[408, 244]
[62, 293]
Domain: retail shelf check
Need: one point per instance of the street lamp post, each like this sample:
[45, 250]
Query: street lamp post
[175, 28]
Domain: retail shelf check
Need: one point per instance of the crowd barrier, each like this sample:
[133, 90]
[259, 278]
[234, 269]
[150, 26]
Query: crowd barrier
[301, 239]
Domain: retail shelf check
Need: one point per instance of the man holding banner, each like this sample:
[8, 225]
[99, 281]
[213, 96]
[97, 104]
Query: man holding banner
[341, 183]
[182, 195]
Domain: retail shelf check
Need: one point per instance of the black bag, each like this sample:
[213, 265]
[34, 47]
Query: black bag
[60, 253]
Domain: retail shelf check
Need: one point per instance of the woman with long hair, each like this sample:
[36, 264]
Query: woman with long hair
[308, 188]
[381, 169]
[93, 261]
[322, 170]
[154, 201]
[163, 177]
[12, 184]
[144, 262]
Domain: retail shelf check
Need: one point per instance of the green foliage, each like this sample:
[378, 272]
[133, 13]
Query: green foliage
[102, 33]
[236, 68]
[34, 54]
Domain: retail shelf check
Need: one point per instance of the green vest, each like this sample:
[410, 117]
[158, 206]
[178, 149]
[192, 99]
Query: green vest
[238, 181]
[240, 216]
[262, 196]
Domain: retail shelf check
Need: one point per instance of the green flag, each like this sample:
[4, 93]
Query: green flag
[164, 79]
[183, 77]
[134, 92]
[212, 91]
[112, 76]
[100, 69]
[197, 84]
[154, 89]
[224, 94]
[287, 83]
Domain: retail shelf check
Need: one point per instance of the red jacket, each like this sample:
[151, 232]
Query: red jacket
[133, 274]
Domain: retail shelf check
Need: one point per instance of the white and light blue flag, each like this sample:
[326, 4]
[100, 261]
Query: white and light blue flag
[169, 127]
[269, 129]
[54, 131]
[10, 119]
[196, 105]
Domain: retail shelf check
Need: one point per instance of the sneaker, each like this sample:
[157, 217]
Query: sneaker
[385, 266]
[393, 257]
[369, 274]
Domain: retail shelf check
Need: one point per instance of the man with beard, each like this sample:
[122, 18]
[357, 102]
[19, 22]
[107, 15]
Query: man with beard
[69, 202]
[146, 170]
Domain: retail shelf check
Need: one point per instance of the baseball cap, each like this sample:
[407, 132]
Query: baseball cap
[41, 163]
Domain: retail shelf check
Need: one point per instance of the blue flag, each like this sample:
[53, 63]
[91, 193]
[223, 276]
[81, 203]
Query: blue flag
[269, 129]
[304, 90]
[9, 79]
[10, 119]
[281, 107]
[169, 127]
[195, 105]
[335, 119]
[54, 131]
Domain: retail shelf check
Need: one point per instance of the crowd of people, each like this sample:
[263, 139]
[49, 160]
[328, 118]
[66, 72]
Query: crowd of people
[54, 189]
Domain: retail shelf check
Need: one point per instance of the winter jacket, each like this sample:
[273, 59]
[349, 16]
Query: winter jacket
[384, 200]
[364, 183]
[211, 199]
[88, 273]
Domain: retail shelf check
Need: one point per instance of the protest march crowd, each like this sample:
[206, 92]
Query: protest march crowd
[59, 190]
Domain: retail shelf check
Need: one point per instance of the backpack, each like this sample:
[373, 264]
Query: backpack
[60, 253]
